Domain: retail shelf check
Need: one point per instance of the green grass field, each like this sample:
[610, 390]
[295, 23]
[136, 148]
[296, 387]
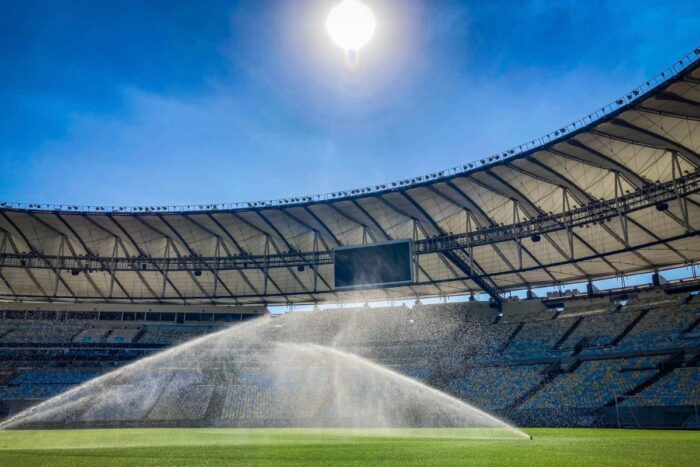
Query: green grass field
[345, 447]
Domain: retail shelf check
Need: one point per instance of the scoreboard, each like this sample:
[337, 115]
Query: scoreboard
[373, 265]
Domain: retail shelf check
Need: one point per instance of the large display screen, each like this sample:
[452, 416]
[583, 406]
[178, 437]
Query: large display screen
[378, 264]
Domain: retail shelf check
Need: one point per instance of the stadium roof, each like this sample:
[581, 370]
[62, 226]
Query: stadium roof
[613, 194]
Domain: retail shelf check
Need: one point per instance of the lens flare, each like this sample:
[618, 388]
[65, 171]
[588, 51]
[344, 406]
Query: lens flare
[351, 25]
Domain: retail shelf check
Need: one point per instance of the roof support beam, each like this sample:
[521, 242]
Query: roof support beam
[112, 272]
[372, 219]
[289, 247]
[663, 141]
[317, 237]
[270, 241]
[637, 143]
[419, 225]
[118, 241]
[472, 205]
[605, 227]
[217, 279]
[36, 252]
[546, 236]
[243, 251]
[3, 244]
[388, 237]
[92, 253]
[317, 234]
[600, 160]
[586, 214]
[221, 242]
[622, 139]
[501, 273]
[169, 241]
[491, 222]
[673, 97]
[682, 201]
[323, 224]
[620, 214]
[526, 205]
[366, 231]
[66, 240]
[614, 167]
[520, 200]
[487, 286]
[416, 223]
[666, 113]
[582, 197]
[146, 258]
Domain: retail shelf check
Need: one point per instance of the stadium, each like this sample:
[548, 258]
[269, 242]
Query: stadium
[451, 317]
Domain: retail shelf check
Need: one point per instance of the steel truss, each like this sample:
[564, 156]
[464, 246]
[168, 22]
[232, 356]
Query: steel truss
[650, 195]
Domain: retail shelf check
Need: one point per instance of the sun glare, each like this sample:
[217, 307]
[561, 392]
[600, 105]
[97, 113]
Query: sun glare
[351, 25]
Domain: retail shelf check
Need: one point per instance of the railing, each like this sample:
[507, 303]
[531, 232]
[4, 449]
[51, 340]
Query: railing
[624, 101]
[658, 195]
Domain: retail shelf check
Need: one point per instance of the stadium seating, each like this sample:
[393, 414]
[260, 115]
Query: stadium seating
[600, 328]
[172, 334]
[146, 395]
[594, 383]
[580, 355]
[660, 325]
[538, 338]
[43, 332]
[680, 387]
[182, 403]
[54, 377]
[496, 387]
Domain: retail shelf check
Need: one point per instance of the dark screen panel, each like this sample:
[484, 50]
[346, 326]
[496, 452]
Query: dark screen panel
[388, 263]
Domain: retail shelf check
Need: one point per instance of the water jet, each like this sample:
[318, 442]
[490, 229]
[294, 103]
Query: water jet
[299, 370]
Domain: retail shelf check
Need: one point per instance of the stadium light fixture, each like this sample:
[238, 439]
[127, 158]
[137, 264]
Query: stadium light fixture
[662, 206]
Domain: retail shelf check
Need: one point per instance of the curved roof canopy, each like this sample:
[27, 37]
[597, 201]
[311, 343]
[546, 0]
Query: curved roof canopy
[614, 194]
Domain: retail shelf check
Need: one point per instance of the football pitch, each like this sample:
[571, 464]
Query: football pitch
[426, 447]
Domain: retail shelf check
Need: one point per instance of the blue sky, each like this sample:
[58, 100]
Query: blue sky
[187, 102]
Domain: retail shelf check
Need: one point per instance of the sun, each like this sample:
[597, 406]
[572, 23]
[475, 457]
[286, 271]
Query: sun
[351, 25]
